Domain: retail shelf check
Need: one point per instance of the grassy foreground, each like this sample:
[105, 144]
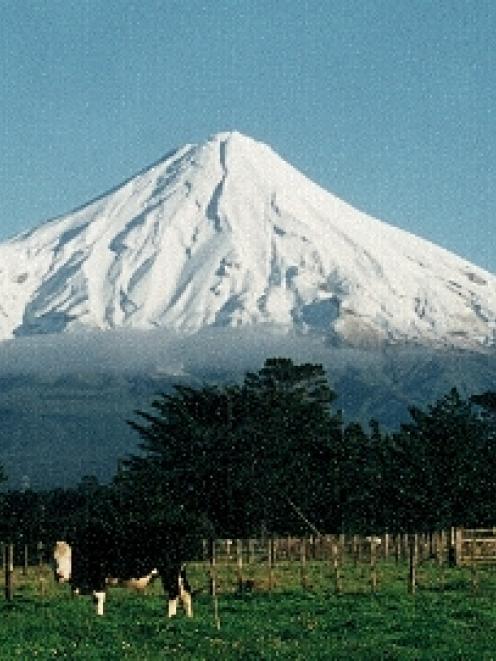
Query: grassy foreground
[446, 619]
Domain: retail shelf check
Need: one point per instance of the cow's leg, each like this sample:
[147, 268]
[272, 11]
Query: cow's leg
[172, 607]
[174, 586]
[187, 602]
[185, 593]
[100, 600]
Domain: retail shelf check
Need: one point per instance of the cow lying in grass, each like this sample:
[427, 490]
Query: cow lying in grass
[96, 553]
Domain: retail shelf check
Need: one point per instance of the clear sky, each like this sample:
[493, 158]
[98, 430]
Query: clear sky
[389, 104]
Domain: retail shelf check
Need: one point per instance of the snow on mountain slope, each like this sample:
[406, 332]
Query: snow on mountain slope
[226, 233]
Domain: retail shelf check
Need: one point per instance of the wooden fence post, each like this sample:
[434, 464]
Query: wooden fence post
[251, 551]
[412, 564]
[356, 550]
[473, 553]
[436, 545]
[455, 547]
[441, 550]
[342, 543]
[213, 582]
[25, 561]
[335, 561]
[397, 548]
[420, 547]
[458, 545]
[40, 548]
[9, 572]
[270, 559]
[239, 563]
[303, 563]
[373, 564]
[212, 587]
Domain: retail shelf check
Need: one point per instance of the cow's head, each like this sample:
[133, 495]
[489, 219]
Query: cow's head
[62, 562]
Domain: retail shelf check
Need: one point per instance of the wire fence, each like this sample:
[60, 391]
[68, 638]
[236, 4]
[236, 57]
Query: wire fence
[327, 561]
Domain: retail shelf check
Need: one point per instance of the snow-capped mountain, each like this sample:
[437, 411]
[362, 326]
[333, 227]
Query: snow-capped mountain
[226, 233]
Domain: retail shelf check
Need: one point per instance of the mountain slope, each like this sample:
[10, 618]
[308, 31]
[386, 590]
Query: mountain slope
[226, 233]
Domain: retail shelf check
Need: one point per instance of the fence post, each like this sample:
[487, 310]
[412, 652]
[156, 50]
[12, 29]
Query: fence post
[25, 562]
[441, 552]
[303, 561]
[270, 558]
[239, 563]
[9, 572]
[436, 541]
[373, 564]
[40, 549]
[356, 550]
[455, 548]
[412, 564]
[213, 582]
[440, 555]
[397, 548]
[335, 562]
[251, 551]
[458, 545]
[473, 553]
[212, 587]
[420, 547]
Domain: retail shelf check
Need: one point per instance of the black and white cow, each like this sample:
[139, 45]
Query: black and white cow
[62, 569]
[98, 552]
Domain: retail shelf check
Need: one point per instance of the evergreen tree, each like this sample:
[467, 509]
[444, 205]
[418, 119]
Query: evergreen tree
[487, 400]
[244, 455]
[365, 501]
[438, 459]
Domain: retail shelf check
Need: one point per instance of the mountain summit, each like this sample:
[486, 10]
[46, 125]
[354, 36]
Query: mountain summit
[226, 233]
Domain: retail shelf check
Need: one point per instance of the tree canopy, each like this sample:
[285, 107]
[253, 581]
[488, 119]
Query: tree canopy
[244, 455]
[273, 453]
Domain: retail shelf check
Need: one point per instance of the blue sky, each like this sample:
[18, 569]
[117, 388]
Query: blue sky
[389, 104]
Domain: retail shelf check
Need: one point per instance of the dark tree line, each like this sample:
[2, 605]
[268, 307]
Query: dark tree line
[273, 454]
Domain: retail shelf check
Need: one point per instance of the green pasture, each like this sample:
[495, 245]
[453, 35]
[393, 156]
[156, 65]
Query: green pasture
[451, 616]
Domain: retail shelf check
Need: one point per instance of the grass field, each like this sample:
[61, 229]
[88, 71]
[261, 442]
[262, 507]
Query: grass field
[446, 619]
